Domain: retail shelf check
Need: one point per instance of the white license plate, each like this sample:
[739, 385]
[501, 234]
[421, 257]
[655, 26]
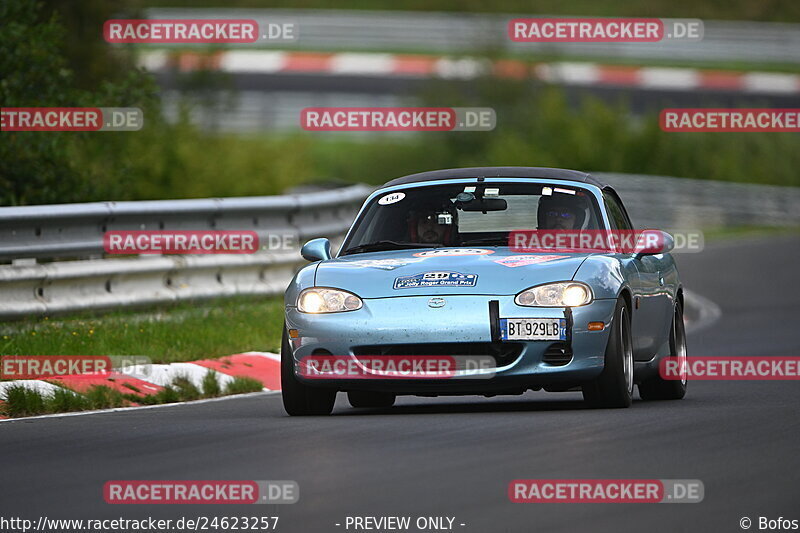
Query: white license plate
[533, 329]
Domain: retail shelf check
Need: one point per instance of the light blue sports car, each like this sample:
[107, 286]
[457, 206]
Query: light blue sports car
[427, 272]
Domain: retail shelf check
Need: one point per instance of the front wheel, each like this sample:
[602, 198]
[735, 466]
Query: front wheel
[657, 388]
[614, 386]
[298, 398]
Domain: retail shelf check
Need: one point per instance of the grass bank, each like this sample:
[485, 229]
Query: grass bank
[183, 332]
[20, 401]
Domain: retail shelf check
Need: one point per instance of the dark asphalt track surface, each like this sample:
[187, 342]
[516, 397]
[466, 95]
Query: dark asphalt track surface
[456, 457]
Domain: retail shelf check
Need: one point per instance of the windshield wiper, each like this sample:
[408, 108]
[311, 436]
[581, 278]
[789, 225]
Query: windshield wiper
[386, 245]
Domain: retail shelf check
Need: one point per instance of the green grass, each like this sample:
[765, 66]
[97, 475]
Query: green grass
[185, 389]
[536, 126]
[19, 401]
[184, 332]
[176, 160]
[742, 232]
[602, 139]
[211, 385]
[241, 385]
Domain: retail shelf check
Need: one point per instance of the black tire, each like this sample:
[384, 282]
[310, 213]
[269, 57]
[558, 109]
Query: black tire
[300, 399]
[360, 398]
[614, 386]
[657, 388]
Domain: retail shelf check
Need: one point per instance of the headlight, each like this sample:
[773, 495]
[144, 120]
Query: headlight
[562, 294]
[319, 300]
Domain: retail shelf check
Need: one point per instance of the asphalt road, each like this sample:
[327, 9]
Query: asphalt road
[456, 457]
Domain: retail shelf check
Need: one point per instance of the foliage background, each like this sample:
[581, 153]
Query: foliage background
[53, 54]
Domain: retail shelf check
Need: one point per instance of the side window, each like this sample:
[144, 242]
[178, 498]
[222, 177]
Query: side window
[616, 213]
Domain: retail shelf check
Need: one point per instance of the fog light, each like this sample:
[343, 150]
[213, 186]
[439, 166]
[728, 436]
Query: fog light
[596, 326]
[293, 333]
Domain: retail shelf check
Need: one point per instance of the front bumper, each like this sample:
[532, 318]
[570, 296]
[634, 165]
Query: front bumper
[408, 322]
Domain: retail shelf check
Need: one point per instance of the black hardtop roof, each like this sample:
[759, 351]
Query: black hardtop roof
[497, 172]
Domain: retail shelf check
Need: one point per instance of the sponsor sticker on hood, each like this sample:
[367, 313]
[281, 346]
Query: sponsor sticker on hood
[385, 264]
[436, 279]
[522, 260]
[453, 251]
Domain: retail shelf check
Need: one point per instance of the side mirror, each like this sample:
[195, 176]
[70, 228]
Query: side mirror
[653, 242]
[316, 250]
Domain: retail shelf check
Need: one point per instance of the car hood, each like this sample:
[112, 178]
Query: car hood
[491, 271]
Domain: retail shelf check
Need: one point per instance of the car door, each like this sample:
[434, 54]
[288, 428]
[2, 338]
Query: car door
[647, 315]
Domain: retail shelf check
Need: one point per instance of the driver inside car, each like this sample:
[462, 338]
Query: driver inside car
[430, 227]
[562, 212]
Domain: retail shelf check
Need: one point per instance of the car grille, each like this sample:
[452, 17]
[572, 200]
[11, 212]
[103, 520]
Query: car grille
[503, 353]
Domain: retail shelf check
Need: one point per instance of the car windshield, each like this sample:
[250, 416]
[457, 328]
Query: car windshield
[479, 213]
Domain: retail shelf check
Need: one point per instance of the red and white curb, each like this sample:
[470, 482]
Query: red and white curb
[149, 379]
[430, 66]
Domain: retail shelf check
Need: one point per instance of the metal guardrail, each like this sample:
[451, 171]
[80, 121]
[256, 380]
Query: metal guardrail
[52, 288]
[90, 282]
[689, 204]
[76, 230]
[468, 33]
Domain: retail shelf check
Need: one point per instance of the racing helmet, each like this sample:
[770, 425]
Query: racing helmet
[577, 203]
